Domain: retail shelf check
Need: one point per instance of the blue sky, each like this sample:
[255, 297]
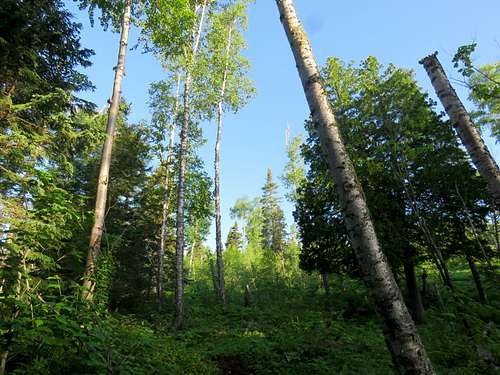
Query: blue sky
[395, 31]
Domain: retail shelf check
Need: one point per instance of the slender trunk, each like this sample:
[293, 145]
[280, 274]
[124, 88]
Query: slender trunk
[435, 252]
[191, 258]
[215, 282]
[218, 231]
[166, 201]
[473, 227]
[477, 279]
[102, 183]
[326, 283]
[179, 246]
[325, 280]
[424, 284]
[416, 305]
[407, 350]
[495, 228]
[463, 124]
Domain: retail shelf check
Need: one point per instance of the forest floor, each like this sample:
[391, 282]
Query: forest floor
[288, 331]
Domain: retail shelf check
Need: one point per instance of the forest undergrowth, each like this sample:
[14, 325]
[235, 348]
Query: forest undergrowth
[288, 327]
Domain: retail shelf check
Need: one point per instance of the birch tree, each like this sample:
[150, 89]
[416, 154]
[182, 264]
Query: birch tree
[166, 109]
[227, 73]
[182, 159]
[463, 124]
[174, 29]
[406, 348]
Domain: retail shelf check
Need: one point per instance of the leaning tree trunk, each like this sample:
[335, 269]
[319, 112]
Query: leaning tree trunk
[473, 228]
[102, 183]
[436, 254]
[179, 246]
[462, 122]
[477, 279]
[218, 231]
[407, 350]
[166, 201]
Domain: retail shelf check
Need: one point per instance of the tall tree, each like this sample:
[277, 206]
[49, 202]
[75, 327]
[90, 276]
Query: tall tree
[33, 58]
[182, 160]
[273, 225]
[407, 350]
[166, 110]
[228, 68]
[462, 122]
[42, 127]
[102, 183]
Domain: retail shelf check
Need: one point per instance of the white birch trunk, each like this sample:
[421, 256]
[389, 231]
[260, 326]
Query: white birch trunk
[218, 231]
[407, 350]
[102, 183]
[179, 246]
[166, 201]
[463, 124]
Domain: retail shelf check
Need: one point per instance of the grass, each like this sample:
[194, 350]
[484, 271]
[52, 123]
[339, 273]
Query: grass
[287, 331]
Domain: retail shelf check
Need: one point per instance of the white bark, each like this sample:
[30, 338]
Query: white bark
[102, 183]
[179, 247]
[407, 350]
[463, 124]
[166, 199]
[218, 231]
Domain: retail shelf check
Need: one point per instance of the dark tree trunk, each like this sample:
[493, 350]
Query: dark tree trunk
[477, 279]
[414, 296]
[326, 283]
[424, 284]
[215, 280]
[328, 298]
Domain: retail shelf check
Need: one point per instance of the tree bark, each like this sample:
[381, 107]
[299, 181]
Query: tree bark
[406, 348]
[179, 248]
[166, 202]
[477, 279]
[102, 183]
[463, 124]
[416, 305]
[218, 231]
[423, 294]
[495, 228]
[248, 298]
[215, 282]
[326, 283]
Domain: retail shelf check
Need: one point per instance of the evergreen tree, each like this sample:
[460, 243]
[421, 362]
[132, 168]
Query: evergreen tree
[273, 224]
[234, 238]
